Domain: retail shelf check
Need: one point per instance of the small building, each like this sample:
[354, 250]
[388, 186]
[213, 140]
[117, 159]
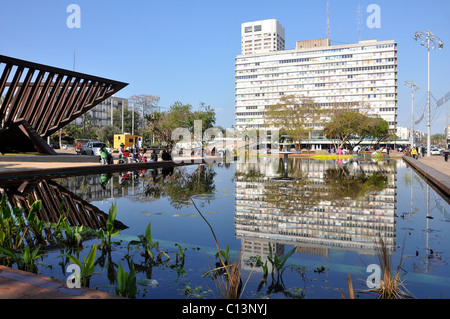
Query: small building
[128, 140]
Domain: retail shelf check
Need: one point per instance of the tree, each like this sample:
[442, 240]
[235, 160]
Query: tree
[380, 130]
[106, 133]
[127, 120]
[347, 123]
[345, 126]
[438, 138]
[179, 115]
[145, 104]
[294, 116]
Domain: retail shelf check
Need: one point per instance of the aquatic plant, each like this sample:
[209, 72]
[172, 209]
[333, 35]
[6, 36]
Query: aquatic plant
[146, 241]
[87, 267]
[126, 282]
[391, 285]
[229, 285]
[106, 234]
[24, 259]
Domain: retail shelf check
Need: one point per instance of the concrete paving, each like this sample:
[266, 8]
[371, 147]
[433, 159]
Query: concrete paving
[433, 168]
[17, 284]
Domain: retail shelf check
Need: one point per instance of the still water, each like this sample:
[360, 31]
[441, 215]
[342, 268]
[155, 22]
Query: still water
[330, 213]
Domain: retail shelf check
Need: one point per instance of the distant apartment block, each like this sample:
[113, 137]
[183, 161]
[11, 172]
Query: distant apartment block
[101, 115]
[262, 36]
[363, 73]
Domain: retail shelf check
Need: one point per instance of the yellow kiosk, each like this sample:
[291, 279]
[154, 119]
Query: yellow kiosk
[128, 140]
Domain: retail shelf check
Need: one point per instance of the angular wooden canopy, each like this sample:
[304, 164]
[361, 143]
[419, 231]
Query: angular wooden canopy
[37, 100]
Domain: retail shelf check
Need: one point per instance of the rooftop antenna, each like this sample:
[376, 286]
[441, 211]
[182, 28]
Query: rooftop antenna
[74, 59]
[328, 20]
[359, 21]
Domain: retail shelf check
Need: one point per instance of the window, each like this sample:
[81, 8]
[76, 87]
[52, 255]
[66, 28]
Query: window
[257, 28]
[248, 29]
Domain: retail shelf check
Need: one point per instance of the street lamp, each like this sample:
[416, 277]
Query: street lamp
[413, 87]
[429, 40]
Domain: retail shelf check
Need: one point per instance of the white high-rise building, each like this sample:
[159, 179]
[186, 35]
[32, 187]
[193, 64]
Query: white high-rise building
[262, 36]
[363, 73]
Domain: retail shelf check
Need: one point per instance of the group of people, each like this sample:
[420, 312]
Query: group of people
[416, 152]
[133, 155]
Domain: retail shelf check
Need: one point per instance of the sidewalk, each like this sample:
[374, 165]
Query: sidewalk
[17, 284]
[435, 169]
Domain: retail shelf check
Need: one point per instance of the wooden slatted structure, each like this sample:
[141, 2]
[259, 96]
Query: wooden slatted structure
[37, 100]
[55, 201]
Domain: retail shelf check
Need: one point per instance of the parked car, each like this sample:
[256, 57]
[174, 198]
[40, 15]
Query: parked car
[93, 148]
[435, 151]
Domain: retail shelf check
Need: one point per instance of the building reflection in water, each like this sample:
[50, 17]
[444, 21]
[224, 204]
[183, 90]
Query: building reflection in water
[333, 204]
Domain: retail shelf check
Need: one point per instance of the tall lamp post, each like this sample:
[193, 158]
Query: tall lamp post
[429, 40]
[413, 87]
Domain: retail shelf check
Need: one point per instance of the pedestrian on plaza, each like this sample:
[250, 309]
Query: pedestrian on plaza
[166, 156]
[153, 156]
[414, 152]
[423, 151]
[446, 152]
[104, 155]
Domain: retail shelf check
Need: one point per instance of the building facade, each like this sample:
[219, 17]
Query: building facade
[102, 114]
[364, 73]
[404, 134]
[262, 36]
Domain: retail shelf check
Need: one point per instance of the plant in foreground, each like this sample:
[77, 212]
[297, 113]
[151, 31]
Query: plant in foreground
[87, 267]
[146, 241]
[126, 282]
[24, 259]
[105, 234]
[391, 286]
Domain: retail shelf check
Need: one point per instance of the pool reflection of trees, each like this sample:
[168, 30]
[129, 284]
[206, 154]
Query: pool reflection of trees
[342, 184]
[179, 184]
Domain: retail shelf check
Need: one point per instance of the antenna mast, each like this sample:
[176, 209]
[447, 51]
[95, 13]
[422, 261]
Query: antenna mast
[328, 20]
[359, 21]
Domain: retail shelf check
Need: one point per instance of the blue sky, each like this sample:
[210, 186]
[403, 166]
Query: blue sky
[185, 50]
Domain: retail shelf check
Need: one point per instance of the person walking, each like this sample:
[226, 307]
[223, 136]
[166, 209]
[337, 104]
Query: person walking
[446, 152]
[414, 152]
[104, 155]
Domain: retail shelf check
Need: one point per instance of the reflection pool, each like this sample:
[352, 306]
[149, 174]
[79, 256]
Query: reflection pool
[327, 213]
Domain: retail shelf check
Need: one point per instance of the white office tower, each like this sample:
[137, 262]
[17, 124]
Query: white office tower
[364, 73]
[262, 36]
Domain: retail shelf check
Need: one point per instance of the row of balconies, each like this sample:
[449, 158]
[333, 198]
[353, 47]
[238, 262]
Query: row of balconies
[274, 60]
[326, 67]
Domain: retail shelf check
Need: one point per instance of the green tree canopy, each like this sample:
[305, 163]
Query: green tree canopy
[294, 116]
[179, 115]
[106, 133]
[348, 124]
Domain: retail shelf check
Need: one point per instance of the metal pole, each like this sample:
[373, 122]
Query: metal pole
[412, 119]
[112, 111]
[429, 103]
[132, 122]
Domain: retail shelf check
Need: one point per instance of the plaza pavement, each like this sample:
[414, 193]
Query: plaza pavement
[435, 169]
